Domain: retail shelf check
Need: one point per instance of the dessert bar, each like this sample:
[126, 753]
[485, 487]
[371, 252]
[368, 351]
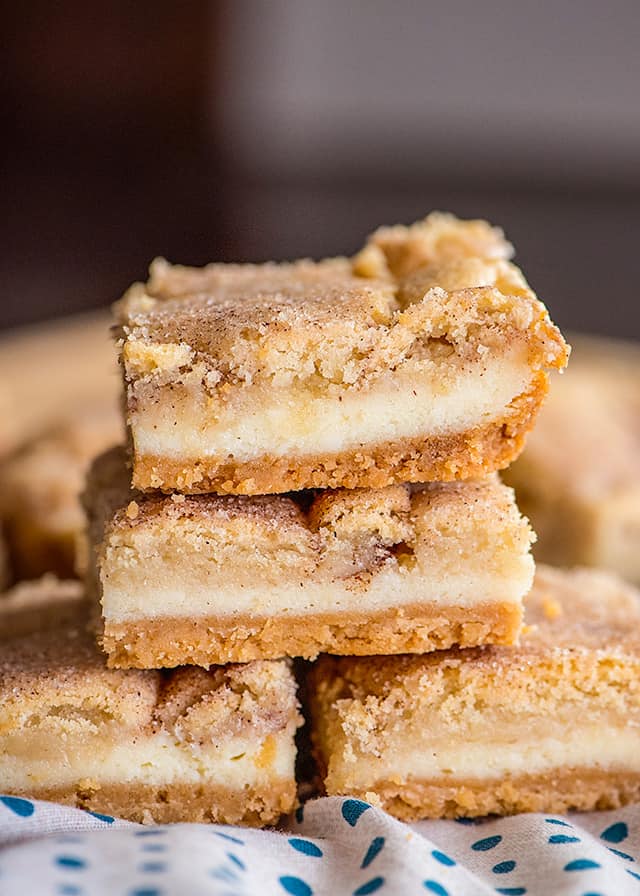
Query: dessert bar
[259, 379]
[548, 726]
[218, 578]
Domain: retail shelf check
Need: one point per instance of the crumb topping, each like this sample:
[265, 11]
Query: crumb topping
[335, 532]
[335, 322]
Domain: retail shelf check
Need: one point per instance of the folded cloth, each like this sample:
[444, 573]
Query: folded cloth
[334, 846]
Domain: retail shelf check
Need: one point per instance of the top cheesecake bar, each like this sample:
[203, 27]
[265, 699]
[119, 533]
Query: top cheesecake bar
[425, 357]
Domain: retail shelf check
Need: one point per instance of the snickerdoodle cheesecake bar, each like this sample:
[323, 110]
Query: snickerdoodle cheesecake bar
[227, 578]
[579, 477]
[424, 358]
[40, 486]
[548, 726]
[189, 745]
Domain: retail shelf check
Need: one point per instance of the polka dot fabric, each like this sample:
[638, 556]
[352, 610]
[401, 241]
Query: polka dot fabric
[332, 846]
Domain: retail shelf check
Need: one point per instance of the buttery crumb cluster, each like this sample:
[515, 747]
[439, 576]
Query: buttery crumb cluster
[311, 471]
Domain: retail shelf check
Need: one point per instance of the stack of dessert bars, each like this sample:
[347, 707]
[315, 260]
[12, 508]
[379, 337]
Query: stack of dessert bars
[311, 472]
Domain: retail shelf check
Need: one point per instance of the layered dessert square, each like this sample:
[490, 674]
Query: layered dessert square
[189, 745]
[39, 492]
[41, 604]
[223, 578]
[260, 379]
[579, 477]
[548, 726]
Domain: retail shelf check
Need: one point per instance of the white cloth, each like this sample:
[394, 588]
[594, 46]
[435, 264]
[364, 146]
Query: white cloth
[335, 847]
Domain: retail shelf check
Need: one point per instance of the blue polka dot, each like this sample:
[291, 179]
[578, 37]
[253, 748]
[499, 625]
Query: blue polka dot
[504, 867]
[69, 890]
[70, 862]
[229, 837]
[154, 847]
[434, 887]
[632, 873]
[18, 806]
[442, 858]
[295, 886]
[511, 891]
[150, 832]
[468, 821]
[153, 867]
[622, 855]
[374, 849]
[300, 814]
[564, 824]
[591, 894]
[487, 843]
[563, 838]
[371, 886]
[224, 873]
[145, 891]
[352, 810]
[236, 861]
[616, 833]
[108, 819]
[581, 865]
[306, 847]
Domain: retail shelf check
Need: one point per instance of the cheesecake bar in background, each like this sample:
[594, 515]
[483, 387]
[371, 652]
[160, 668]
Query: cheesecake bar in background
[259, 379]
[5, 569]
[218, 578]
[188, 745]
[42, 604]
[40, 487]
[549, 726]
[579, 476]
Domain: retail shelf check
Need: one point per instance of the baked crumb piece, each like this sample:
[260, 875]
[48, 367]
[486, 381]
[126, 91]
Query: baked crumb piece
[39, 493]
[188, 745]
[253, 379]
[548, 726]
[579, 478]
[227, 578]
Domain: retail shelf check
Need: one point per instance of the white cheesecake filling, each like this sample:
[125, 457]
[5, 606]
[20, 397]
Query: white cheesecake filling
[581, 747]
[37, 759]
[167, 592]
[299, 421]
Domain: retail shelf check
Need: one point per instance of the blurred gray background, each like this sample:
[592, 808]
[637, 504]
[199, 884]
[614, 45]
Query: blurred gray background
[255, 129]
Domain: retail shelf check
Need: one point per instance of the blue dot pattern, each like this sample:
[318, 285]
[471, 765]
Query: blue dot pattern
[373, 850]
[306, 847]
[337, 845]
[434, 887]
[371, 886]
[442, 857]
[295, 886]
[352, 810]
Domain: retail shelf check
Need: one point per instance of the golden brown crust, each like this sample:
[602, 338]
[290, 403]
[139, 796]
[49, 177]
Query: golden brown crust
[442, 458]
[151, 643]
[253, 806]
[559, 791]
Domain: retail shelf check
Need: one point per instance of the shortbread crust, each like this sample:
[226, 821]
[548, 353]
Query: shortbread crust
[550, 725]
[257, 379]
[210, 578]
[579, 478]
[186, 745]
[39, 492]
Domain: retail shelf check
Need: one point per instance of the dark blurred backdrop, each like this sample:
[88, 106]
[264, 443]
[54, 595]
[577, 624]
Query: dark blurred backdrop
[276, 128]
